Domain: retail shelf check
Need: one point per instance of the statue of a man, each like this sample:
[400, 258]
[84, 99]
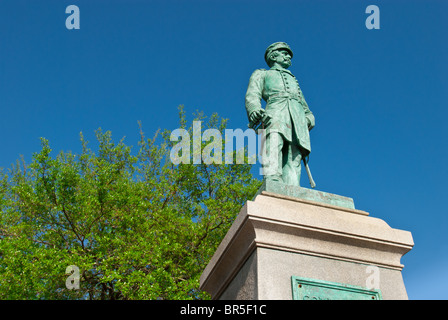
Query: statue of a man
[286, 117]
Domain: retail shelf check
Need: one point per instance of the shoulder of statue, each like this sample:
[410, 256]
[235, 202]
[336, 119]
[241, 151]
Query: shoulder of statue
[258, 75]
[260, 71]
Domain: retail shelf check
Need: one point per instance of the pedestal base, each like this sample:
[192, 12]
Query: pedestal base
[277, 238]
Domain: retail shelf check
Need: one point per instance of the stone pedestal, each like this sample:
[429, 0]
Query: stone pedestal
[278, 238]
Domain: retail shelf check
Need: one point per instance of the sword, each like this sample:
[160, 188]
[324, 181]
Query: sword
[308, 171]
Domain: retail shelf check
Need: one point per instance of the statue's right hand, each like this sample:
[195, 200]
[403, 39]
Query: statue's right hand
[255, 116]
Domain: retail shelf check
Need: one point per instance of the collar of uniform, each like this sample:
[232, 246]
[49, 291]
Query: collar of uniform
[281, 70]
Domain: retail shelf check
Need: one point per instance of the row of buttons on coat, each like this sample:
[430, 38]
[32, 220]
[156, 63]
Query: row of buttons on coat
[285, 80]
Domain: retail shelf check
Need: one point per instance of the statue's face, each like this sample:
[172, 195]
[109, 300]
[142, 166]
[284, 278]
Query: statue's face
[283, 58]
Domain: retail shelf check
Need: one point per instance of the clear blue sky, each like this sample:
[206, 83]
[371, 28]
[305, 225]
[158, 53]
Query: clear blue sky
[379, 96]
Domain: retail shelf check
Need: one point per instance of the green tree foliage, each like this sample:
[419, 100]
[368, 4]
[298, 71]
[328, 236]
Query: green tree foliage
[137, 226]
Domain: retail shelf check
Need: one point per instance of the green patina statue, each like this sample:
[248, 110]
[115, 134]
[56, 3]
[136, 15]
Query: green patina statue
[286, 118]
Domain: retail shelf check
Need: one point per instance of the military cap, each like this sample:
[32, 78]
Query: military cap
[276, 46]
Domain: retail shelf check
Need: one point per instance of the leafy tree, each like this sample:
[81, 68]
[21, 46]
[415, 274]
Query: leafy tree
[136, 225]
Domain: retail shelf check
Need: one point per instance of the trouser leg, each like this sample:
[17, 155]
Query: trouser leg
[292, 158]
[272, 156]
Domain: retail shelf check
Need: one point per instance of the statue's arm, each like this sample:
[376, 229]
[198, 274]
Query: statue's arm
[308, 114]
[254, 92]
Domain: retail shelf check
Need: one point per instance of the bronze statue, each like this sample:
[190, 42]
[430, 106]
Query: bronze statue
[286, 118]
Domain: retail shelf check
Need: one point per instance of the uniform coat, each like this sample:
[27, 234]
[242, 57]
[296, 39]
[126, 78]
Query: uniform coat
[285, 104]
